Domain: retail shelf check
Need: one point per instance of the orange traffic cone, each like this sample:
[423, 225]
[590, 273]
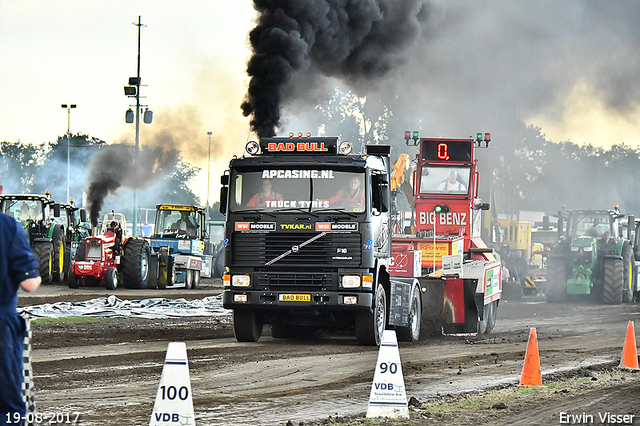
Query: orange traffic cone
[531, 369]
[629, 351]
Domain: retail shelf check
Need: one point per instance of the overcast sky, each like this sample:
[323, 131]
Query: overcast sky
[568, 67]
[193, 59]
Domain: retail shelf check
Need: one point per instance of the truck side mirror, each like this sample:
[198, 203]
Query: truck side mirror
[56, 210]
[380, 193]
[224, 180]
[224, 194]
[83, 215]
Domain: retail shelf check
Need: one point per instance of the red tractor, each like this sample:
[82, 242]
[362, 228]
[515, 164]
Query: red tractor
[109, 259]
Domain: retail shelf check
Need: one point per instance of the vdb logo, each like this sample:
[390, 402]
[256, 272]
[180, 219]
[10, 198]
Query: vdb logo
[167, 417]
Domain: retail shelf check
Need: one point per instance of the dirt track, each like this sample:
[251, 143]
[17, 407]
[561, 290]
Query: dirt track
[109, 370]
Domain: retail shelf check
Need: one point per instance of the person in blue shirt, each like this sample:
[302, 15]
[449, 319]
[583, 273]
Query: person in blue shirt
[18, 268]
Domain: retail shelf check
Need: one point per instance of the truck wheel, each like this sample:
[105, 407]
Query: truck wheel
[246, 326]
[72, 279]
[411, 333]
[188, 279]
[627, 280]
[371, 325]
[613, 278]
[196, 280]
[44, 253]
[493, 316]
[484, 322]
[135, 264]
[111, 278]
[555, 290]
[58, 255]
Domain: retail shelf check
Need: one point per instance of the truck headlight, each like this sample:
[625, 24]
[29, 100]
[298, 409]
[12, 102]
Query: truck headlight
[240, 280]
[587, 249]
[350, 281]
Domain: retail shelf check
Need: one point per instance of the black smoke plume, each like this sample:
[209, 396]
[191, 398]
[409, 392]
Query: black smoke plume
[116, 165]
[349, 39]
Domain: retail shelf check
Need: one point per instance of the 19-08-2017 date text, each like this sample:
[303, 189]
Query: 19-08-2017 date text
[42, 418]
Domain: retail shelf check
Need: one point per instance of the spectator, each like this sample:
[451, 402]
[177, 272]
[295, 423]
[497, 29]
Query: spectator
[18, 268]
[266, 197]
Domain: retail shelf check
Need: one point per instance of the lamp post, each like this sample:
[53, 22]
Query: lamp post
[68, 108]
[208, 173]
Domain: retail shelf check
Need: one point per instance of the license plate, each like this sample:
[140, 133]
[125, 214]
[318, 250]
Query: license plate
[295, 298]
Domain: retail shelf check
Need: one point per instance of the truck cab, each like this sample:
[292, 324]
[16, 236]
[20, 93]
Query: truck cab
[307, 238]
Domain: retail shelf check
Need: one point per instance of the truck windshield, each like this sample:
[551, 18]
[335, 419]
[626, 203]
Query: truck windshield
[182, 223]
[445, 180]
[593, 225]
[307, 189]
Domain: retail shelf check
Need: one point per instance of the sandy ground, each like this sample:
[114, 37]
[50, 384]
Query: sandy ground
[108, 371]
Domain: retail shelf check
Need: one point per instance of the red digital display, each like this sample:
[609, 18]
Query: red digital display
[452, 150]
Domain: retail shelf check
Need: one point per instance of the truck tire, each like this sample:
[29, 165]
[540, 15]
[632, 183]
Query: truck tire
[411, 333]
[196, 280]
[111, 278]
[482, 323]
[246, 326]
[135, 264]
[613, 280]
[371, 325]
[188, 279]
[627, 280]
[59, 249]
[44, 253]
[556, 290]
[488, 318]
[494, 316]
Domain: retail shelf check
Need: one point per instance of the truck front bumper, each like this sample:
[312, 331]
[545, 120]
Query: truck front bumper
[237, 298]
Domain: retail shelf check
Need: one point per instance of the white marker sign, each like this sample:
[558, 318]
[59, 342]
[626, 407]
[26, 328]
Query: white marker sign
[174, 404]
[388, 397]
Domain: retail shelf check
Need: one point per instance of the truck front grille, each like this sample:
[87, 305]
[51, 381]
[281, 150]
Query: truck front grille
[337, 250]
[284, 281]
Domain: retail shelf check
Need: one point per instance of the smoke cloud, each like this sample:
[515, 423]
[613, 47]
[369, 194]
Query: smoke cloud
[349, 39]
[116, 166]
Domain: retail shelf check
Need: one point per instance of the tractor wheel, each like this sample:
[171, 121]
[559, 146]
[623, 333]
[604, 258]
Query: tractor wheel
[371, 325]
[135, 264]
[79, 256]
[44, 253]
[246, 326]
[59, 249]
[556, 290]
[613, 279]
[627, 281]
[411, 333]
[111, 278]
[72, 279]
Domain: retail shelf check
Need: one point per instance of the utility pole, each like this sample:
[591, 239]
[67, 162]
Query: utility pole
[208, 174]
[68, 108]
[134, 227]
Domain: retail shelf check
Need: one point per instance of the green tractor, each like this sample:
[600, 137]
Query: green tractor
[594, 257]
[39, 216]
